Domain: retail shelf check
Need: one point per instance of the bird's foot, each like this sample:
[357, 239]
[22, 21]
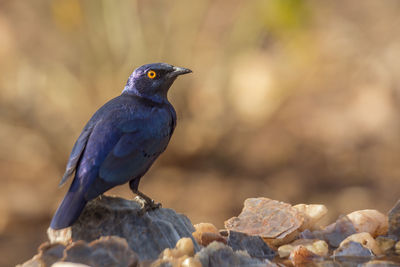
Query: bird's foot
[147, 204]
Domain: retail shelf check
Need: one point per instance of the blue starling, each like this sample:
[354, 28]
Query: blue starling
[121, 141]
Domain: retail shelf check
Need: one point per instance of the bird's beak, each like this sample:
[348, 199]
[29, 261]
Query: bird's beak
[179, 71]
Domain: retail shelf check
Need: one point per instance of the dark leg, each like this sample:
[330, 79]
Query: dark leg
[148, 203]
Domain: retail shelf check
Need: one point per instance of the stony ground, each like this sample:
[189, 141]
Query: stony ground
[115, 232]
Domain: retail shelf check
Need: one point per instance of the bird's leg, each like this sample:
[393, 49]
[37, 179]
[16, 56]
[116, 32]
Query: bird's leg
[147, 202]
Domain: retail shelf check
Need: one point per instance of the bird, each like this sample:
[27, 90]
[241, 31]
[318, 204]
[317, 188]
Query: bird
[121, 141]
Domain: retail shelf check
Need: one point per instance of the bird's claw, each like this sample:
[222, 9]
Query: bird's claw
[147, 205]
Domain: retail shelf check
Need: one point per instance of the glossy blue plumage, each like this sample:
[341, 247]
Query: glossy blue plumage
[121, 141]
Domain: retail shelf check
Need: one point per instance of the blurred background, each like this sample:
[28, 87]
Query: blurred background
[293, 100]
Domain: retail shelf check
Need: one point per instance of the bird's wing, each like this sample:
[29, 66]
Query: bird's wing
[76, 152]
[134, 152]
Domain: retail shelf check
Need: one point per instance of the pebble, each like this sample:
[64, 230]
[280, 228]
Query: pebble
[220, 255]
[206, 233]
[184, 247]
[312, 214]
[397, 247]
[318, 247]
[334, 233]
[302, 256]
[180, 256]
[364, 239]
[370, 221]
[352, 249]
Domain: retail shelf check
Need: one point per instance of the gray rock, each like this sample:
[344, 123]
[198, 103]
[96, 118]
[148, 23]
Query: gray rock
[353, 249]
[107, 251]
[147, 234]
[254, 245]
[220, 255]
[394, 222]
[334, 233]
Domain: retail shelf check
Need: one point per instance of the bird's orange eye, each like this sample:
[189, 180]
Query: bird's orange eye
[151, 74]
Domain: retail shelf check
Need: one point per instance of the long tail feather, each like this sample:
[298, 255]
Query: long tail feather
[69, 210]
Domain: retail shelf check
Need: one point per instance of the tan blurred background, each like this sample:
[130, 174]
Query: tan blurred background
[292, 100]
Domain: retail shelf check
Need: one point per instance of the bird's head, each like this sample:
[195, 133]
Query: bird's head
[153, 80]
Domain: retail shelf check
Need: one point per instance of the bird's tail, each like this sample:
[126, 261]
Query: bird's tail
[69, 210]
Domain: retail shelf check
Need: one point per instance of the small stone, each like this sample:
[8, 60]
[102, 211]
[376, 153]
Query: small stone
[397, 247]
[182, 254]
[191, 262]
[394, 222]
[254, 245]
[370, 221]
[206, 233]
[312, 214]
[267, 218]
[318, 247]
[205, 227]
[364, 239]
[285, 250]
[59, 236]
[352, 249]
[184, 247]
[385, 243]
[69, 264]
[302, 256]
[380, 263]
[334, 233]
[220, 255]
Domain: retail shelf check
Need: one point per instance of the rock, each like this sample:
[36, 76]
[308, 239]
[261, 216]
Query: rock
[302, 256]
[364, 239]
[312, 214]
[385, 243]
[219, 255]
[47, 255]
[394, 222]
[181, 255]
[318, 247]
[206, 233]
[69, 264]
[380, 263]
[370, 221]
[327, 263]
[147, 234]
[50, 253]
[254, 245]
[191, 262]
[397, 247]
[353, 249]
[184, 247]
[106, 251]
[275, 221]
[334, 233]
